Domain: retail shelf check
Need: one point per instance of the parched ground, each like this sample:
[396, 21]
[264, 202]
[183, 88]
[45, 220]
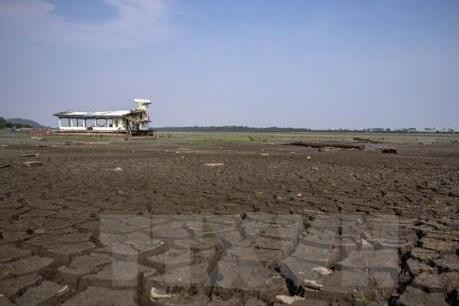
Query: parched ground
[148, 222]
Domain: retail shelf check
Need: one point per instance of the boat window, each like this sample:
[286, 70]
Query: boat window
[65, 122]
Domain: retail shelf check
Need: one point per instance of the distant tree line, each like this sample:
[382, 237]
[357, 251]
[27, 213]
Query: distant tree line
[6, 124]
[235, 128]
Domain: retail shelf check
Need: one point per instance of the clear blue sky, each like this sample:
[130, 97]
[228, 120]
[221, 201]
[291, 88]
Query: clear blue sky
[317, 64]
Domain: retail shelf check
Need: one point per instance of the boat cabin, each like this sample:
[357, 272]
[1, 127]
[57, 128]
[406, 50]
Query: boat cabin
[122, 121]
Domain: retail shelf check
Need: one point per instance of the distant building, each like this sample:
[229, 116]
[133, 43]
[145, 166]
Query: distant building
[123, 121]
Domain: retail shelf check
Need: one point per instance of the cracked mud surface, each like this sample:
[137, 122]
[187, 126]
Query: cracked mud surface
[76, 230]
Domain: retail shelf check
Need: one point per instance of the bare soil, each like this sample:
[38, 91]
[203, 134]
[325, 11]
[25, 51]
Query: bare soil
[234, 224]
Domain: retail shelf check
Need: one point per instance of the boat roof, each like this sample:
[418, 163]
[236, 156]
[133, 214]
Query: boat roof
[75, 114]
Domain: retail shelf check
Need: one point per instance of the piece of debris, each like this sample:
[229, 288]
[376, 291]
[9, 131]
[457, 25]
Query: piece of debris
[308, 157]
[389, 150]
[155, 295]
[315, 168]
[363, 244]
[289, 300]
[259, 194]
[361, 139]
[323, 271]
[326, 145]
[372, 147]
[63, 290]
[32, 163]
[213, 164]
[117, 169]
[299, 195]
[5, 166]
[312, 284]
[89, 143]
[30, 155]
[264, 154]
[37, 138]
[328, 149]
[39, 231]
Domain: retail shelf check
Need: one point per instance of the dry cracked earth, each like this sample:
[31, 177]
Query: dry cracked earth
[141, 223]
